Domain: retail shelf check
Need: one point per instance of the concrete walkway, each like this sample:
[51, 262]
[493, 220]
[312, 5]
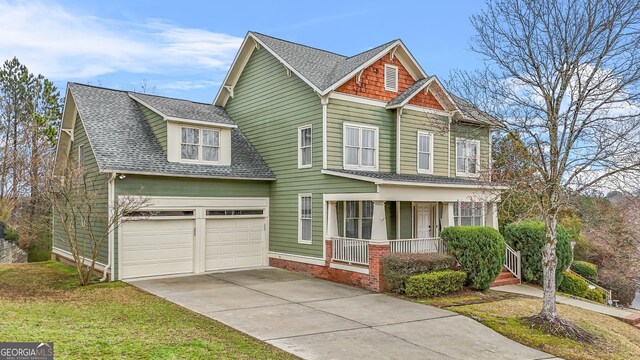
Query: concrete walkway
[317, 319]
[536, 292]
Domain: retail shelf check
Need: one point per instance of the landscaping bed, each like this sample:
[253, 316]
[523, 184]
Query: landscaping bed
[42, 302]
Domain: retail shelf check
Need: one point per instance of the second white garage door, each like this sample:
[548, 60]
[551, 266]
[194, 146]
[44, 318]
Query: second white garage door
[234, 243]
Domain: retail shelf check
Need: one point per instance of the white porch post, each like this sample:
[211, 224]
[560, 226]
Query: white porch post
[447, 214]
[491, 215]
[379, 223]
[332, 218]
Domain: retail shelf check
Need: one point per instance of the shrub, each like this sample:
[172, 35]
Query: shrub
[596, 295]
[11, 235]
[399, 266]
[585, 269]
[574, 285]
[480, 251]
[435, 283]
[529, 237]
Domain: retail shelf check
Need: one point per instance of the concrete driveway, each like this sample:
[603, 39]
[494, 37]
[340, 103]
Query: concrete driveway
[317, 319]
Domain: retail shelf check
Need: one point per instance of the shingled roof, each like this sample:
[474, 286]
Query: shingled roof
[184, 109]
[122, 140]
[375, 176]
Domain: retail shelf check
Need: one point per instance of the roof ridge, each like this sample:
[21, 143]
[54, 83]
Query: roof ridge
[167, 97]
[303, 45]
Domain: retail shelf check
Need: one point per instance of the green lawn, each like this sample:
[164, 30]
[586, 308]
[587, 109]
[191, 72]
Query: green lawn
[505, 313]
[42, 302]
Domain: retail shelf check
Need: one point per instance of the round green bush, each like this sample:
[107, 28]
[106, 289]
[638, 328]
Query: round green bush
[596, 295]
[480, 251]
[586, 269]
[573, 284]
[528, 237]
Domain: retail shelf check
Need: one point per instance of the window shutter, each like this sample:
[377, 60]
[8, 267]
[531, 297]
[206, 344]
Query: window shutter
[390, 78]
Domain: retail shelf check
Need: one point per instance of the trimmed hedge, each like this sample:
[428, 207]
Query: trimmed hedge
[435, 283]
[596, 295]
[398, 267]
[574, 285]
[480, 251]
[529, 237]
[586, 269]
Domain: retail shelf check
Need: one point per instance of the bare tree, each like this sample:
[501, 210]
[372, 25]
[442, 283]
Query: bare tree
[77, 198]
[564, 77]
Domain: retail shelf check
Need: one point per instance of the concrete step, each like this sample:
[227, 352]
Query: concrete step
[633, 319]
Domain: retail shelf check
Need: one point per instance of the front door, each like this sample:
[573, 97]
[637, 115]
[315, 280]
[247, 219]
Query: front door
[423, 220]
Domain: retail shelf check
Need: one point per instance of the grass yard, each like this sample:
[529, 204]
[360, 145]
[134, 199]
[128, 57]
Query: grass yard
[503, 314]
[42, 302]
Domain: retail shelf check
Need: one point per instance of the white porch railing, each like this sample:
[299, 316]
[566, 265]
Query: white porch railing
[513, 262]
[421, 245]
[349, 250]
[593, 285]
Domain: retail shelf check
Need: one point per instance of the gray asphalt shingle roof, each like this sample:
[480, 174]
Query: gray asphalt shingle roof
[471, 111]
[322, 68]
[122, 139]
[411, 178]
[185, 109]
[409, 92]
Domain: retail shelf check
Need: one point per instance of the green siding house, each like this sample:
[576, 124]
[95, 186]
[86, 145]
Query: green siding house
[306, 160]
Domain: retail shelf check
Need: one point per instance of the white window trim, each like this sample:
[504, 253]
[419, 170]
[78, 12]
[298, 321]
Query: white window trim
[385, 78]
[344, 144]
[200, 160]
[360, 218]
[300, 165]
[300, 241]
[430, 135]
[482, 212]
[464, 173]
[81, 158]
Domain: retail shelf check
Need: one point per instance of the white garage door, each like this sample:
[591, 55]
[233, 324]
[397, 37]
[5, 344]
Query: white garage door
[234, 243]
[156, 247]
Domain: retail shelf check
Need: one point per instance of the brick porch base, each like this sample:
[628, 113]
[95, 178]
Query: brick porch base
[373, 281]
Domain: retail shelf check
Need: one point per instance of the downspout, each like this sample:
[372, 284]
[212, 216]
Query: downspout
[450, 117]
[110, 201]
[398, 120]
[324, 100]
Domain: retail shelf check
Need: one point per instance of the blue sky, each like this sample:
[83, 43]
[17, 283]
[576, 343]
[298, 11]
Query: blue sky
[183, 48]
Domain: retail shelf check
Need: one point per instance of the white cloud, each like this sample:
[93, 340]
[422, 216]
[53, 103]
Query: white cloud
[61, 44]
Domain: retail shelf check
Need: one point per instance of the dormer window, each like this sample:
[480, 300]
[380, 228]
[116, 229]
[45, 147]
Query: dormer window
[198, 144]
[390, 78]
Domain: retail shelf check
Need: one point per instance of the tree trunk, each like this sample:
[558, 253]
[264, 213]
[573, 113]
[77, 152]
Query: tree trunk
[549, 265]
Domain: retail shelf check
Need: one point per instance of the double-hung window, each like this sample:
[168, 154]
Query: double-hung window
[81, 155]
[468, 213]
[304, 147]
[201, 145]
[360, 147]
[467, 157]
[304, 218]
[425, 153]
[358, 218]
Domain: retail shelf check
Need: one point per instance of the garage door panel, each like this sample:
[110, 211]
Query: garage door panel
[157, 247]
[234, 243]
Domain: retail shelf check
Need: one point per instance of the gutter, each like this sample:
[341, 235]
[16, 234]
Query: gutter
[110, 201]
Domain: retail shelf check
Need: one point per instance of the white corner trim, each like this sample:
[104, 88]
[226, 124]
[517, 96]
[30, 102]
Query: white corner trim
[297, 258]
[351, 268]
[67, 255]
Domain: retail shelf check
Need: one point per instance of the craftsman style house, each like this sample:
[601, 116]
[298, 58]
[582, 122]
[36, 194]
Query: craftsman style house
[306, 160]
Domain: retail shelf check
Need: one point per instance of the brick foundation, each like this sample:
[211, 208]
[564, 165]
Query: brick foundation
[373, 281]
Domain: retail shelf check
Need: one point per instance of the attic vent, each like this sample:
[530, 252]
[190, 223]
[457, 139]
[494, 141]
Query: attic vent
[390, 78]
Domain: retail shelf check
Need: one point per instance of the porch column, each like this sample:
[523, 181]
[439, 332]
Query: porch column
[332, 218]
[447, 214]
[379, 223]
[491, 215]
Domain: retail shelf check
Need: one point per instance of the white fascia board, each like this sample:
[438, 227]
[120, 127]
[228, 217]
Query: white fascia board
[405, 101]
[408, 183]
[293, 70]
[233, 65]
[199, 122]
[151, 173]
